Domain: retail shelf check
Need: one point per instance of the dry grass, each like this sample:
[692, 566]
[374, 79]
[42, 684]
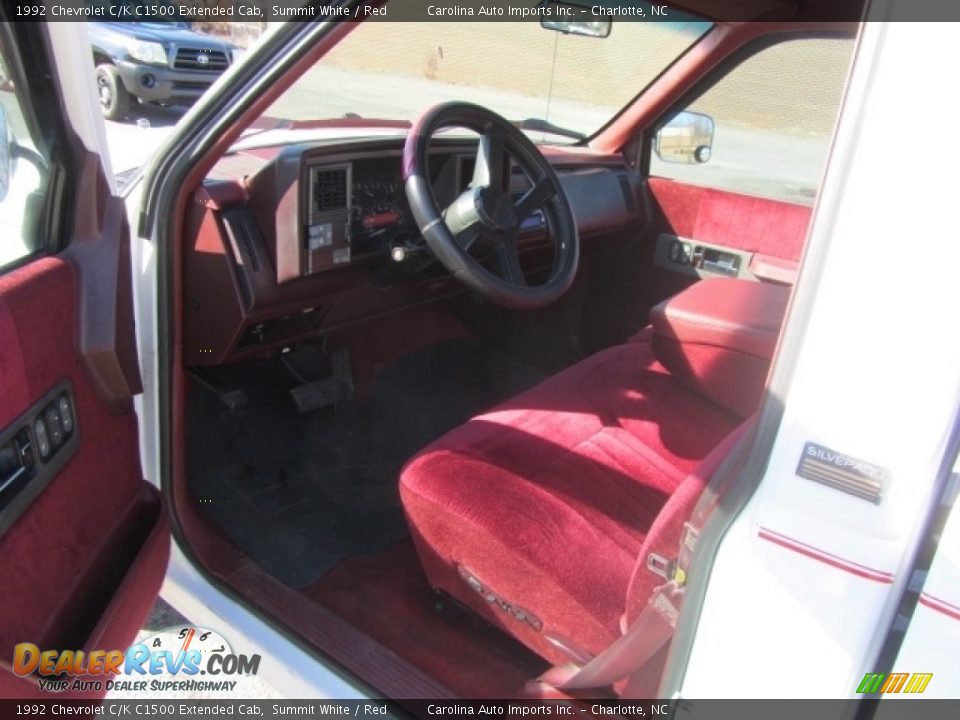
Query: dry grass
[793, 87]
[801, 81]
[516, 56]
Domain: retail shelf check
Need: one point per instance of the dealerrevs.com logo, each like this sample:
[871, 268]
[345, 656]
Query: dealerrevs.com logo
[179, 659]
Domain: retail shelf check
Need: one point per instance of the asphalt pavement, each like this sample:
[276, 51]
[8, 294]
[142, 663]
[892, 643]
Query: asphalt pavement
[744, 159]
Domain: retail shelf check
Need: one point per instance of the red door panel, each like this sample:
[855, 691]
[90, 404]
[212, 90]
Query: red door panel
[773, 230]
[82, 565]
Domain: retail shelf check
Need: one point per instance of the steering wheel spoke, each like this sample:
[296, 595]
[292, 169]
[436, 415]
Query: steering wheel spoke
[508, 262]
[535, 198]
[468, 236]
[490, 165]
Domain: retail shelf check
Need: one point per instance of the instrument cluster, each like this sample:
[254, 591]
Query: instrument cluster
[378, 210]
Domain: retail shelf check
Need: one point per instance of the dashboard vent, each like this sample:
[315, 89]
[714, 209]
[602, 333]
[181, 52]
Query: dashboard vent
[329, 189]
[628, 197]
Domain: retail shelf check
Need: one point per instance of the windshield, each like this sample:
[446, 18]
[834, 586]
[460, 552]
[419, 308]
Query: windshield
[563, 86]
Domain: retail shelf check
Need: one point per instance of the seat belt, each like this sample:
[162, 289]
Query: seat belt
[655, 624]
[649, 632]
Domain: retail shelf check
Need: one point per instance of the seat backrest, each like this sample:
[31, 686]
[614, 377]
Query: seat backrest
[718, 337]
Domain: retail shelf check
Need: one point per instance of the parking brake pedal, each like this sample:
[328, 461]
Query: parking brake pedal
[332, 390]
[232, 398]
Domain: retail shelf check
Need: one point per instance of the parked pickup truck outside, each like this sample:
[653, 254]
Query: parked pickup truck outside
[158, 62]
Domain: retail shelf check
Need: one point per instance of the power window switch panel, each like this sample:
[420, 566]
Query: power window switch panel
[43, 438]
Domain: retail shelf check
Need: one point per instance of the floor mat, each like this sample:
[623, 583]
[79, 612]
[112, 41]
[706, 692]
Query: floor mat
[388, 596]
[299, 493]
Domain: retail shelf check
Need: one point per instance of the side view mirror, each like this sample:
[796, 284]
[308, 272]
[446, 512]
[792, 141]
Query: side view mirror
[6, 154]
[558, 16]
[687, 139]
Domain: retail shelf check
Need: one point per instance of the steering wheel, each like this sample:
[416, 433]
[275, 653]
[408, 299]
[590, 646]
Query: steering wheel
[484, 214]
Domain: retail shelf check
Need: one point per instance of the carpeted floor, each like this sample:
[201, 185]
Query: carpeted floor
[299, 493]
[387, 595]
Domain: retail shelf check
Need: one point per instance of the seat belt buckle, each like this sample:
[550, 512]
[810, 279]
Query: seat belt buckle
[676, 571]
[688, 543]
[666, 600]
[667, 569]
[659, 565]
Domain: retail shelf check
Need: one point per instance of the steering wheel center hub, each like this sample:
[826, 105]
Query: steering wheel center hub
[496, 211]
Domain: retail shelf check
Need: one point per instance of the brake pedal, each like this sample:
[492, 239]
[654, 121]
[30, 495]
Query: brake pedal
[333, 390]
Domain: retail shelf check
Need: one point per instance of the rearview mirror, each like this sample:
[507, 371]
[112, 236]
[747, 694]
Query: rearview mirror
[558, 16]
[686, 139]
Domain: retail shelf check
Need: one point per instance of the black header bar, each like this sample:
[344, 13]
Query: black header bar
[252, 11]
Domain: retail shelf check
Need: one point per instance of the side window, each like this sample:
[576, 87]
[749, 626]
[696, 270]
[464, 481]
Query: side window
[21, 171]
[773, 117]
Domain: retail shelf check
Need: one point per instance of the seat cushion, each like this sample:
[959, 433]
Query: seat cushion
[533, 514]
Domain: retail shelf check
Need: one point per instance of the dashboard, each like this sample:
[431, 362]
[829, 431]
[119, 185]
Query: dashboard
[352, 208]
[291, 240]
[357, 209]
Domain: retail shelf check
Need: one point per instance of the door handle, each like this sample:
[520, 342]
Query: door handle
[16, 459]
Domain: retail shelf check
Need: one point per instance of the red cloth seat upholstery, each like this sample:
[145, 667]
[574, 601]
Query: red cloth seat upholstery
[534, 514]
[717, 337]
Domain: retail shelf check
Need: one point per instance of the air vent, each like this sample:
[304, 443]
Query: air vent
[627, 190]
[239, 230]
[329, 189]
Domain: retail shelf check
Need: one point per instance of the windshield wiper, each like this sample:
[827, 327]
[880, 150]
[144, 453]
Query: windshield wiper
[541, 125]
